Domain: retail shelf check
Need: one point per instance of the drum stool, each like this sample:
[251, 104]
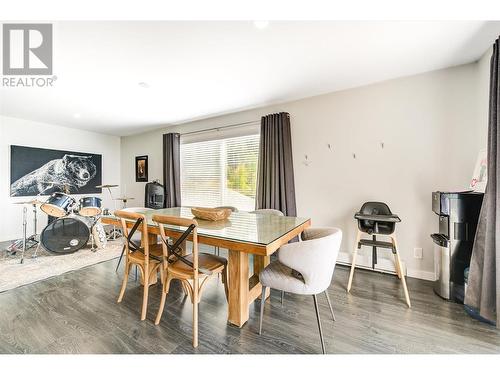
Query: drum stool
[375, 218]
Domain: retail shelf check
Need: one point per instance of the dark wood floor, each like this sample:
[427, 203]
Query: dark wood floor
[77, 313]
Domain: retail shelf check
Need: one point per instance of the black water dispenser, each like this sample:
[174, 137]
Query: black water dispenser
[458, 216]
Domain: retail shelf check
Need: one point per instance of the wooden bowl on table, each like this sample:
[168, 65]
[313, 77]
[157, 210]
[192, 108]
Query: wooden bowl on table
[212, 214]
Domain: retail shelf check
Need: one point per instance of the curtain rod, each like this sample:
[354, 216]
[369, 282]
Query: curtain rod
[223, 127]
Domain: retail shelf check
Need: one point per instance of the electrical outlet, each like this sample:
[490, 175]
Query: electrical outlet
[418, 253]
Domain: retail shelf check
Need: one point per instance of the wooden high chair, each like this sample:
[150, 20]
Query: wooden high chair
[375, 219]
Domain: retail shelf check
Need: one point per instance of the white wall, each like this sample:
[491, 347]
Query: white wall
[483, 66]
[150, 144]
[431, 128]
[28, 133]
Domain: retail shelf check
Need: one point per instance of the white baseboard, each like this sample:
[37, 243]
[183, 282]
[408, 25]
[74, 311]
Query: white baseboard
[383, 265]
[423, 275]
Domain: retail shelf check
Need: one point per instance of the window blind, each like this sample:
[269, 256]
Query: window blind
[221, 172]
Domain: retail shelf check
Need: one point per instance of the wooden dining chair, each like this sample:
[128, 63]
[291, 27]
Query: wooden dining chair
[136, 237]
[193, 270]
[147, 257]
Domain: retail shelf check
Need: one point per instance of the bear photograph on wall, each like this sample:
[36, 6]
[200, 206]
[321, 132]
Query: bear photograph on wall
[39, 171]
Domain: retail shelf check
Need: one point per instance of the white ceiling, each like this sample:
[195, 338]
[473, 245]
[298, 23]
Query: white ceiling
[199, 69]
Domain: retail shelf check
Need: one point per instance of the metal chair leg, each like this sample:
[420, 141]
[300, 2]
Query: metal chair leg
[329, 304]
[120, 260]
[35, 254]
[24, 235]
[282, 296]
[319, 323]
[262, 302]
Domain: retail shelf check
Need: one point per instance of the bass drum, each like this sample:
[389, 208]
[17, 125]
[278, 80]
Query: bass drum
[58, 205]
[65, 235]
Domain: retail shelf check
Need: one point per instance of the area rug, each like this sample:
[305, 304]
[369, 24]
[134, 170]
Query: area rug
[13, 274]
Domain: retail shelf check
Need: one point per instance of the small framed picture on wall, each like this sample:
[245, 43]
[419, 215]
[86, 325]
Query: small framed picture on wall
[141, 168]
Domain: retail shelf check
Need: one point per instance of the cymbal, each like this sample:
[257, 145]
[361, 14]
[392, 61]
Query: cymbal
[33, 201]
[124, 198]
[106, 186]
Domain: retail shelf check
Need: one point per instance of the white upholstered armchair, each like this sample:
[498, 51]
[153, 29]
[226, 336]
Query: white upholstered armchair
[304, 267]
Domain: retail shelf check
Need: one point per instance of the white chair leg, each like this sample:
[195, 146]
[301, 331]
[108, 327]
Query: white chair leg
[330, 304]
[353, 265]
[319, 324]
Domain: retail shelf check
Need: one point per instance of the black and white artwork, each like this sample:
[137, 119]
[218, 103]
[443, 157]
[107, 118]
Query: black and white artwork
[39, 171]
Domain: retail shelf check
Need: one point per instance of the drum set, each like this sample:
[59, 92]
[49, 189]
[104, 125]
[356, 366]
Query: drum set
[70, 226]
[74, 224]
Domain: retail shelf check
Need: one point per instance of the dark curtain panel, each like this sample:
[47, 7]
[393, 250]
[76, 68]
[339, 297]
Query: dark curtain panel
[275, 182]
[172, 169]
[484, 274]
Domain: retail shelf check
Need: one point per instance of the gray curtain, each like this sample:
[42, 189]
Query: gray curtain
[275, 181]
[172, 169]
[484, 274]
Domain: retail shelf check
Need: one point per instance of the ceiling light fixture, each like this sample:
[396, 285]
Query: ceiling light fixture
[77, 115]
[144, 85]
[261, 25]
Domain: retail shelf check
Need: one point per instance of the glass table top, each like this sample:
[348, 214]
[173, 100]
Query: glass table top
[241, 226]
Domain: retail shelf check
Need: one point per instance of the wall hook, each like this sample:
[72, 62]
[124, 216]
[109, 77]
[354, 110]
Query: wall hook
[306, 161]
[354, 156]
[330, 147]
[382, 144]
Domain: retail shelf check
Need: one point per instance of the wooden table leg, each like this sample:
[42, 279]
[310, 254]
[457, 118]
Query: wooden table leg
[259, 263]
[238, 287]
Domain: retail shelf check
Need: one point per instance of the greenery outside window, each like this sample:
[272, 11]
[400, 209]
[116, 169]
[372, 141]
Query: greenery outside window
[220, 172]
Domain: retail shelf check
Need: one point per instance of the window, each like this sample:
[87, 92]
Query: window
[220, 172]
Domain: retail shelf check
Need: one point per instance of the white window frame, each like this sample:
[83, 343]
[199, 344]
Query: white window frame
[218, 134]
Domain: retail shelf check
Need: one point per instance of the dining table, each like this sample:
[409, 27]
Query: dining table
[244, 234]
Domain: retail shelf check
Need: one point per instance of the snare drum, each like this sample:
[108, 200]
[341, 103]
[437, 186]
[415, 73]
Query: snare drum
[90, 206]
[58, 205]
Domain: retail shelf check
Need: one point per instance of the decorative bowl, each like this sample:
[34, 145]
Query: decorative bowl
[212, 214]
